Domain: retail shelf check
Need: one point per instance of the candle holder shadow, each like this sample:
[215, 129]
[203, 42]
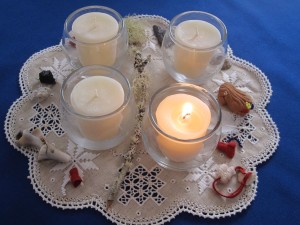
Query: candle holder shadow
[97, 132]
[95, 35]
[172, 151]
[194, 47]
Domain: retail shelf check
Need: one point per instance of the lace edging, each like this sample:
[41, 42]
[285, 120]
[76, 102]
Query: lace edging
[29, 151]
[260, 109]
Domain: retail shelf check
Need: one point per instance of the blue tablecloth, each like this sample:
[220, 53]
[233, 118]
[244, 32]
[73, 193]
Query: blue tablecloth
[263, 32]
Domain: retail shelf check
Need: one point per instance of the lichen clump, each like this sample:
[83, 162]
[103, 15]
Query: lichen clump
[136, 30]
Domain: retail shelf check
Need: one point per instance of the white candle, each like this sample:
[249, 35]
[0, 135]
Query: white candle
[194, 36]
[93, 31]
[98, 96]
[184, 117]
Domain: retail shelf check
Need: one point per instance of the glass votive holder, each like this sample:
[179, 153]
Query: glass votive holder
[194, 47]
[95, 35]
[97, 107]
[182, 126]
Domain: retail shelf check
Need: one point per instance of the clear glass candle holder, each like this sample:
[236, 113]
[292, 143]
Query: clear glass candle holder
[173, 142]
[194, 47]
[95, 35]
[97, 132]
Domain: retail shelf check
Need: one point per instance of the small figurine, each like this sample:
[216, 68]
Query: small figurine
[237, 101]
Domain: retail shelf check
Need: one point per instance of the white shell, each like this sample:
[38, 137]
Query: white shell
[41, 94]
[46, 151]
[29, 139]
[50, 152]
[225, 173]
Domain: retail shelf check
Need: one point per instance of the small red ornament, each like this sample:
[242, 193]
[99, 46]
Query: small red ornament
[227, 148]
[74, 177]
[72, 43]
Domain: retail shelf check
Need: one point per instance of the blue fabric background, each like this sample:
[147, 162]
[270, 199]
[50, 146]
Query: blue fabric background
[263, 32]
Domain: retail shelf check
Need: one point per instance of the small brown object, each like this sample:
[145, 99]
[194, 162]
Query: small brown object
[226, 65]
[159, 33]
[237, 101]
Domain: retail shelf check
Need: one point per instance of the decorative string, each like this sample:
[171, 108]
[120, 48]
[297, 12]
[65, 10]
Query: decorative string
[140, 90]
[239, 189]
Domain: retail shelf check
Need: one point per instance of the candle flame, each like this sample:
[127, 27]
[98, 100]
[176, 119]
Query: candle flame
[187, 109]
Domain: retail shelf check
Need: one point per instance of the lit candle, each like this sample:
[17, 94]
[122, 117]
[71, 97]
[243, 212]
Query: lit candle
[98, 96]
[94, 31]
[184, 117]
[196, 37]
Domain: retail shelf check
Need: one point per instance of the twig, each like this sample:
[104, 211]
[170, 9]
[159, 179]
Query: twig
[140, 89]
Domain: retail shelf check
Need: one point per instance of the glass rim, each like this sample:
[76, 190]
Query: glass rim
[220, 22]
[127, 95]
[118, 15]
[175, 86]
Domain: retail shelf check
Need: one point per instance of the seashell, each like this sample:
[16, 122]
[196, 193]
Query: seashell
[41, 94]
[225, 173]
[25, 138]
[48, 151]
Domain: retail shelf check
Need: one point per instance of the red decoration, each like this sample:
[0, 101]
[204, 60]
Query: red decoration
[240, 188]
[74, 177]
[227, 148]
[245, 111]
[72, 43]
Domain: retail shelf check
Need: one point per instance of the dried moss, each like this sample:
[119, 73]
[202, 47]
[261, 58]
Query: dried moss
[136, 30]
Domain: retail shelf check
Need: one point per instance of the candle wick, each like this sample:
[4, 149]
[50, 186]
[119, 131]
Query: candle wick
[94, 21]
[197, 31]
[186, 116]
[197, 34]
[97, 94]
[93, 25]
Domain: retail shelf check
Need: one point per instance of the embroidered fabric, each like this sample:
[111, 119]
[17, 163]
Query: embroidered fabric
[147, 194]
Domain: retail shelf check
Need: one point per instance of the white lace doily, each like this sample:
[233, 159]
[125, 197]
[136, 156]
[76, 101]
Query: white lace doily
[147, 193]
